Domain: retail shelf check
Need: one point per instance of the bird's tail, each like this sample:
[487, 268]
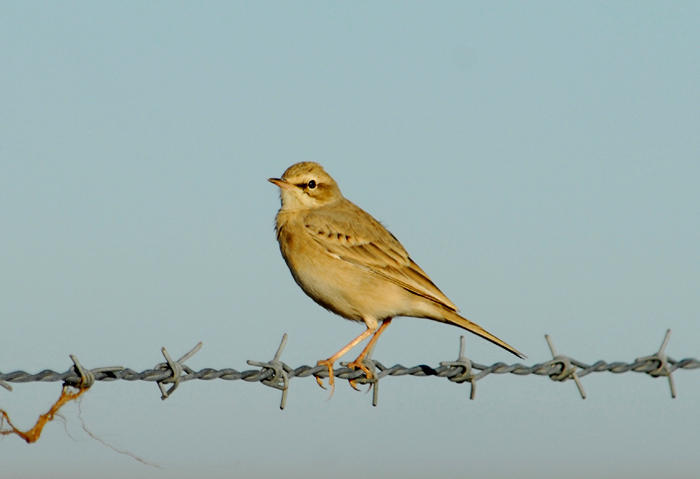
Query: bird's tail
[464, 323]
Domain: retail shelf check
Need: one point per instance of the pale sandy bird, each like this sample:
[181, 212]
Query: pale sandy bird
[347, 262]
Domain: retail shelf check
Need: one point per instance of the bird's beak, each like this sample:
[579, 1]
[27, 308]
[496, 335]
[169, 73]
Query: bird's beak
[281, 182]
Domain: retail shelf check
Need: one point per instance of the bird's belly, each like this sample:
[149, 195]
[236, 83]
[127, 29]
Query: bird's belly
[347, 289]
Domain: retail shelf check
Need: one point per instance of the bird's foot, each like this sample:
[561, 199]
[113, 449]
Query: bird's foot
[331, 380]
[359, 363]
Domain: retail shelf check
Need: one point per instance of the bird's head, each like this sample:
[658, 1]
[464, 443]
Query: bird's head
[306, 185]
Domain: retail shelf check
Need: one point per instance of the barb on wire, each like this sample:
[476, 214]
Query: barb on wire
[663, 368]
[86, 378]
[280, 371]
[466, 375]
[176, 369]
[567, 370]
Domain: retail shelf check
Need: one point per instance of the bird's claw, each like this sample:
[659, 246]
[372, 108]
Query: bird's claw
[356, 364]
[353, 384]
[331, 379]
[360, 364]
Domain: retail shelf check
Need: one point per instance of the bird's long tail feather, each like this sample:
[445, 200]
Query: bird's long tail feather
[464, 323]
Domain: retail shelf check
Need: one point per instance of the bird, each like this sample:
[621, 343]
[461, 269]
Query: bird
[350, 264]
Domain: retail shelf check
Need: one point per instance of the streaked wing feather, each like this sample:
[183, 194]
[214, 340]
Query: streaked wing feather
[352, 235]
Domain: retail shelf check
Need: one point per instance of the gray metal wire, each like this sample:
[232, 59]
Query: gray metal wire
[277, 374]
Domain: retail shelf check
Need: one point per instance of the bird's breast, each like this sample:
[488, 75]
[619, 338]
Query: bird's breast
[321, 276]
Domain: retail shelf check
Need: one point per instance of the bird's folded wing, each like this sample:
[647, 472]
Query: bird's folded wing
[352, 235]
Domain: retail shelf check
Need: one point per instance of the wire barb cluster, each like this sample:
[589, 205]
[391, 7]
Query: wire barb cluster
[277, 374]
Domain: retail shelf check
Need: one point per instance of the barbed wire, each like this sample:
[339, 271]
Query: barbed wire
[277, 374]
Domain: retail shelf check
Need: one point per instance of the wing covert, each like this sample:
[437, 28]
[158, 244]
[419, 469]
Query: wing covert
[352, 235]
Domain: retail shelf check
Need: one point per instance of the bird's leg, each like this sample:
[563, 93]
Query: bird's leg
[359, 361]
[329, 362]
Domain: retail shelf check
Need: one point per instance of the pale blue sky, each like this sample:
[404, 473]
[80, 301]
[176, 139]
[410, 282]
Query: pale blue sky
[540, 160]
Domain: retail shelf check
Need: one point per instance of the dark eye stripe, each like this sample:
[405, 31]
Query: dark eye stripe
[311, 185]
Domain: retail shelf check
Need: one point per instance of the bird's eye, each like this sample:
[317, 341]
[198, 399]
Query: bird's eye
[311, 184]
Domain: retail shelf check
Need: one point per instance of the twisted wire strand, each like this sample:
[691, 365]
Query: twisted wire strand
[277, 374]
[255, 375]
